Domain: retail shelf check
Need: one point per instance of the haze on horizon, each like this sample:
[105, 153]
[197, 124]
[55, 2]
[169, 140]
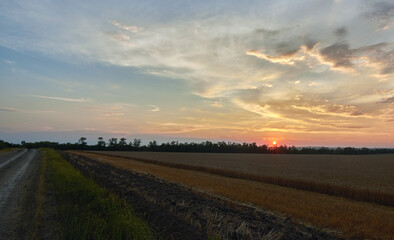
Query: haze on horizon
[298, 72]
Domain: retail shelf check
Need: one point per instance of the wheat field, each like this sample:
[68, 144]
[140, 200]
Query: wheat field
[352, 219]
[371, 172]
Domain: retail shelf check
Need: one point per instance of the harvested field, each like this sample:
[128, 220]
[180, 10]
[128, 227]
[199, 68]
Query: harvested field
[372, 172]
[355, 193]
[165, 203]
[353, 218]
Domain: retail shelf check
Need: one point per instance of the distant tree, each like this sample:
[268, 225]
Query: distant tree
[136, 143]
[112, 142]
[82, 141]
[3, 144]
[152, 145]
[101, 142]
[122, 142]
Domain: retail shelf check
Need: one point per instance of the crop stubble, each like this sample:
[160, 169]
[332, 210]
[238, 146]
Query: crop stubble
[355, 219]
[372, 172]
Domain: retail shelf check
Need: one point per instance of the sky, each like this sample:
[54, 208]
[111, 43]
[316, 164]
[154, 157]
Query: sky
[304, 73]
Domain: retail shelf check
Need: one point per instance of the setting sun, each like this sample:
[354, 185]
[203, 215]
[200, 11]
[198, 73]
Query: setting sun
[274, 142]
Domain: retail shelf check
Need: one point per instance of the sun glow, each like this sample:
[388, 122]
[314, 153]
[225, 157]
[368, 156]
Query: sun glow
[274, 143]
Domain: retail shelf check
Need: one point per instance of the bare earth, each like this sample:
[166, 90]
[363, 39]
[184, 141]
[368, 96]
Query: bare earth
[373, 172]
[19, 171]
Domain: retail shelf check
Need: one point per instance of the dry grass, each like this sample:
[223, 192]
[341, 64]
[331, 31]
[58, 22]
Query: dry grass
[353, 218]
[370, 172]
[367, 195]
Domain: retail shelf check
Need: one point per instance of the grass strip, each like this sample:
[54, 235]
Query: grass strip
[363, 195]
[40, 198]
[8, 149]
[88, 211]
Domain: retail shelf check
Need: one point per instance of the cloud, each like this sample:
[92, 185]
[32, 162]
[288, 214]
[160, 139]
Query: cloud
[130, 28]
[121, 37]
[341, 32]
[291, 57]
[154, 108]
[7, 109]
[301, 109]
[382, 13]
[380, 56]
[266, 31]
[62, 98]
[207, 53]
[338, 54]
[111, 110]
[388, 100]
[8, 61]
[332, 109]
[216, 104]
[173, 127]
[286, 59]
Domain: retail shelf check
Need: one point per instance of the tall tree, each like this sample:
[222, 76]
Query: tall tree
[101, 142]
[152, 145]
[82, 141]
[122, 142]
[112, 142]
[136, 143]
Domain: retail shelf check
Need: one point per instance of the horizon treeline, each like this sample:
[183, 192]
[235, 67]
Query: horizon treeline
[208, 147]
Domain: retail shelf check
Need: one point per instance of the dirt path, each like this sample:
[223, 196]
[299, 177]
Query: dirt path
[19, 171]
[173, 208]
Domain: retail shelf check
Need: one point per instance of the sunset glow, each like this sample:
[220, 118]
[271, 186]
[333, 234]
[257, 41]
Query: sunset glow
[309, 73]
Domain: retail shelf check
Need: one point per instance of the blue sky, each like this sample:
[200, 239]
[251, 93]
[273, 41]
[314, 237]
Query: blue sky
[298, 72]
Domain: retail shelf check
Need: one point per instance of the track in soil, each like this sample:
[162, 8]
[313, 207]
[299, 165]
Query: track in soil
[181, 213]
[19, 171]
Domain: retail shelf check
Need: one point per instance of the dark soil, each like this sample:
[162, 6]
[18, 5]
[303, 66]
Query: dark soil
[178, 212]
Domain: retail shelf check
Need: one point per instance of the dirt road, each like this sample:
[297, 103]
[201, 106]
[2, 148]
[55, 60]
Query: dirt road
[19, 171]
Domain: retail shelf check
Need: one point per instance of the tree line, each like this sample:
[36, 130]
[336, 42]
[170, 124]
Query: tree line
[115, 144]
[4, 144]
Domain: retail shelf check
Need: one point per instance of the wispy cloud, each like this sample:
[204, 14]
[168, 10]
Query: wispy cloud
[154, 108]
[8, 61]
[339, 56]
[7, 109]
[388, 100]
[130, 28]
[62, 98]
[286, 59]
[382, 13]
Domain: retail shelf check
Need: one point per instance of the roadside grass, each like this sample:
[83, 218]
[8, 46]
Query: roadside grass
[8, 149]
[40, 198]
[88, 211]
[354, 219]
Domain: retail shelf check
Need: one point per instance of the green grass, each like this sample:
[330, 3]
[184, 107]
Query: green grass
[7, 149]
[88, 211]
